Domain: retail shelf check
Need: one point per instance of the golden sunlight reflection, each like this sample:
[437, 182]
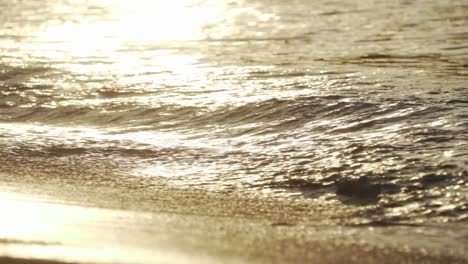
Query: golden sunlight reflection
[124, 22]
[37, 228]
[25, 218]
[131, 43]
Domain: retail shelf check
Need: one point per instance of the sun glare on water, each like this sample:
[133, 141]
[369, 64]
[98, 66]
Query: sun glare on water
[122, 22]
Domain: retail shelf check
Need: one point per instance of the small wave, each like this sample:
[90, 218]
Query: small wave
[16, 74]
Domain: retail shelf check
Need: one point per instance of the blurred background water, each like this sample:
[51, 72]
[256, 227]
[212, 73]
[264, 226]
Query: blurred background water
[361, 102]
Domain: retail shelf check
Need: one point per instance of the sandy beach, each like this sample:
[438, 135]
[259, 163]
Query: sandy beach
[233, 131]
[67, 223]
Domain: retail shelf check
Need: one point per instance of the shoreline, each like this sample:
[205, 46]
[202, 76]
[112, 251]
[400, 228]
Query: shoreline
[187, 227]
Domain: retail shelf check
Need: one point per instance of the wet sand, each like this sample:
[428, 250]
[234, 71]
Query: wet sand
[232, 137]
[70, 223]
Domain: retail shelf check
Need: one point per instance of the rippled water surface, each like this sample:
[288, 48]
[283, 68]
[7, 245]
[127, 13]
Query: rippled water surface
[361, 102]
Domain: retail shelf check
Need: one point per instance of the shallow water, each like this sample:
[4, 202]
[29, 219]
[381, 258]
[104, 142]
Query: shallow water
[363, 103]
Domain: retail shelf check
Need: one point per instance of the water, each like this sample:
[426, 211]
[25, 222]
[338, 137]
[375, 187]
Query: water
[362, 103]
